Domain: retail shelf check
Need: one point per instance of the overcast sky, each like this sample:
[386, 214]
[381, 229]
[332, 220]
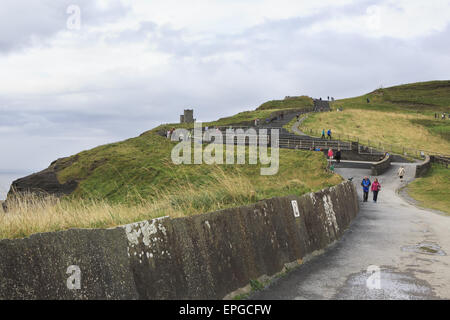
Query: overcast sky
[134, 64]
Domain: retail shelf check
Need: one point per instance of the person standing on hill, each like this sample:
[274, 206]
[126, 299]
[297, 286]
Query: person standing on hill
[401, 173]
[376, 187]
[329, 134]
[366, 185]
[323, 133]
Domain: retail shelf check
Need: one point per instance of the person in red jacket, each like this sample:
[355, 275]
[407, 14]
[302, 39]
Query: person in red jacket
[376, 187]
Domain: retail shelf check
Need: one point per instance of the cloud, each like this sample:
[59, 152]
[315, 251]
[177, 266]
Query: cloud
[135, 64]
[25, 23]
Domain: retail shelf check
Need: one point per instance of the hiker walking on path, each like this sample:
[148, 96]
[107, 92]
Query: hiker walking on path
[323, 134]
[338, 156]
[376, 187]
[401, 173]
[329, 134]
[366, 185]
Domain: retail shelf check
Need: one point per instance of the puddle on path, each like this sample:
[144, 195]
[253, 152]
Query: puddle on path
[425, 248]
[393, 285]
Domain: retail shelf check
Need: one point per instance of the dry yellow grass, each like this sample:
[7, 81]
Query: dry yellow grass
[384, 127]
[30, 214]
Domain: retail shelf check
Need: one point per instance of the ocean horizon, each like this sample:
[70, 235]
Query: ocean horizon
[7, 177]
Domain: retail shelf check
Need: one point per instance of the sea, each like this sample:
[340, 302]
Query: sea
[6, 178]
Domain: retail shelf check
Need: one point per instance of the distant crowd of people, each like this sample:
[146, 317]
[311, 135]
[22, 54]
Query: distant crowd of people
[443, 116]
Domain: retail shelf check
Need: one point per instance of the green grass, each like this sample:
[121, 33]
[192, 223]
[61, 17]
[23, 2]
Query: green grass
[135, 180]
[433, 190]
[302, 102]
[423, 97]
[142, 168]
[397, 117]
[436, 127]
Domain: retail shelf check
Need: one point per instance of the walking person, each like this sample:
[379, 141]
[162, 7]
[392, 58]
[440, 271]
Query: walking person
[366, 185]
[323, 134]
[401, 173]
[329, 134]
[376, 187]
[338, 156]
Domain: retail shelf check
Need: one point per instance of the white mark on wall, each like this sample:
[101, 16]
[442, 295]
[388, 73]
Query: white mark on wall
[313, 198]
[329, 211]
[143, 229]
[295, 208]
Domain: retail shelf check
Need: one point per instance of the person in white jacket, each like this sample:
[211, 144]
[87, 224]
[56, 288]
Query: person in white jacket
[401, 173]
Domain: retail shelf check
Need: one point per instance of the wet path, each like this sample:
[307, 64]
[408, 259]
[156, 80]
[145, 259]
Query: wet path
[409, 246]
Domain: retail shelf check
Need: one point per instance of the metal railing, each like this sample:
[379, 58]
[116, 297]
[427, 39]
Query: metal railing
[367, 146]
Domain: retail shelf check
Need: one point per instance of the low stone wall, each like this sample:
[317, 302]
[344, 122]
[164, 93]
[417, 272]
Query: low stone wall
[206, 256]
[422, 169]
[382, 166]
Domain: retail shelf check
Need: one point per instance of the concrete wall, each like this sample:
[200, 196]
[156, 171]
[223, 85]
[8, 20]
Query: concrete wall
[205, 256]
[382, 166]
[422, 169]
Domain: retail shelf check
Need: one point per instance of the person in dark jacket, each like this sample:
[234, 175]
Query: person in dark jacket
[366, 185]
[338, 156]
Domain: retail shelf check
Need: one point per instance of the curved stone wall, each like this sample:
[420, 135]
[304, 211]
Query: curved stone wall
[382, 166]
[206, 256]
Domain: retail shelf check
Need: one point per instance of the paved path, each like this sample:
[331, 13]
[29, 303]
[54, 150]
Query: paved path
[295, 127]
[408, 244]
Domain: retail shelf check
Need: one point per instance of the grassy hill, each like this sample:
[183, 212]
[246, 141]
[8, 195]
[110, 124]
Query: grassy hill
[401, 115]
[433, 190]
[135, 180]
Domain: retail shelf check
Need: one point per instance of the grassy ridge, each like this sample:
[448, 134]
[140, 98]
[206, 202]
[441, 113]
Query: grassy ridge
[402, 115]
[423, 97]
[142, 168]
[302, 102]
[139, 182]
[433, 190]
[136, 180]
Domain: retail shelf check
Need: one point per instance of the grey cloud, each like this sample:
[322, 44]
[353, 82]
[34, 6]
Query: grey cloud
[24, 22]
[275, 59]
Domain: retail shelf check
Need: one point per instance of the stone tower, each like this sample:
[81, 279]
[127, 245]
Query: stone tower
[188, 116]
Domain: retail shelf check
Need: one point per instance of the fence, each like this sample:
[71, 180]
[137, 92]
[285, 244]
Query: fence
[445, 161]
[311, 144]
[375, 147]
[341, 141]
